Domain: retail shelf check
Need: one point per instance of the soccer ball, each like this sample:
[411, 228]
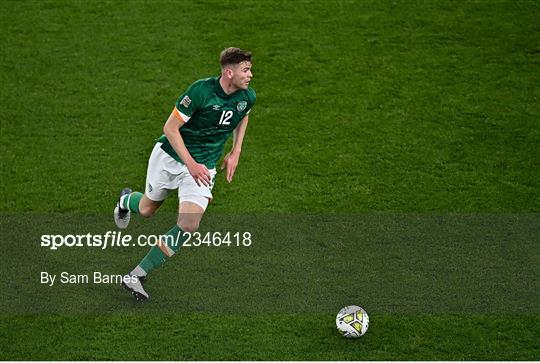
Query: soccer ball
[352, 321]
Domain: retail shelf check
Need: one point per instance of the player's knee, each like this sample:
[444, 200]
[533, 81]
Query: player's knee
[189, 226]
[146, 211]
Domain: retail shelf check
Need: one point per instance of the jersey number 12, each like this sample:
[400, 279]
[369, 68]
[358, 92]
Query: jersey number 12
[225, 117]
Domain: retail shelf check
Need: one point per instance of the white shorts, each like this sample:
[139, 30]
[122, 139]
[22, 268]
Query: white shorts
[165, 174]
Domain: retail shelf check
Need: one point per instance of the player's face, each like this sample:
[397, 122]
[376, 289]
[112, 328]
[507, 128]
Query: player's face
[242, 75]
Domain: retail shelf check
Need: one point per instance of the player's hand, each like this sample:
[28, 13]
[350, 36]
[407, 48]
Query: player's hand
[200, 173]
[230, 161]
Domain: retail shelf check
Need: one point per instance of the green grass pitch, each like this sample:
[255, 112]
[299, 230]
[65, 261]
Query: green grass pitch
[391, 161]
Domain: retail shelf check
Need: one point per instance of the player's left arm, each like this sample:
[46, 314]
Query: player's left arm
[230, 161]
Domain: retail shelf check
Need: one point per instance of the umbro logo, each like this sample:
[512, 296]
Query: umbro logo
[216, 107]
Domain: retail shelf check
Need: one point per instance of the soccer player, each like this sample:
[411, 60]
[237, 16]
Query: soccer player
[185, 157]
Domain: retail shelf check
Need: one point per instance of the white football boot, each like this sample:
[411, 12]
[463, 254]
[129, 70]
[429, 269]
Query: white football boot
[121, 215]
[134, 285]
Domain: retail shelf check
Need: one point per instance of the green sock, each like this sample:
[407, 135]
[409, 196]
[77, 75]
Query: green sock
[171, 243]
[131, 202]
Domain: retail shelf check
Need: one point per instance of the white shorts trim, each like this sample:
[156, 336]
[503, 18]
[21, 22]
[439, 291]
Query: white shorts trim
[164, 174]
[197, 199]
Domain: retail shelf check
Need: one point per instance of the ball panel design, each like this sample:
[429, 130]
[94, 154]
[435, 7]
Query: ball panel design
[352, 321]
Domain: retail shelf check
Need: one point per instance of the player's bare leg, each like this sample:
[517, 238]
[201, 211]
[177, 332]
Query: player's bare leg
[189, 216]
[148, 207]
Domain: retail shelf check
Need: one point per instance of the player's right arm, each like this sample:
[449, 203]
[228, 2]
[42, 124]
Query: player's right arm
[171, 129]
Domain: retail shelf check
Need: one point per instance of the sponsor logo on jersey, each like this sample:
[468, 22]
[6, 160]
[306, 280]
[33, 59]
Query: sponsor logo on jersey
[186, 101]
[216, 107]
[241, 106]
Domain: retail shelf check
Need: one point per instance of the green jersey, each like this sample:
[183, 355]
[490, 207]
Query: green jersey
[211, 115]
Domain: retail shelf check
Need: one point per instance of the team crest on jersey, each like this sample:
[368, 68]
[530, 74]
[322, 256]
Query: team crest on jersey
[241, 106]
[186, 101]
